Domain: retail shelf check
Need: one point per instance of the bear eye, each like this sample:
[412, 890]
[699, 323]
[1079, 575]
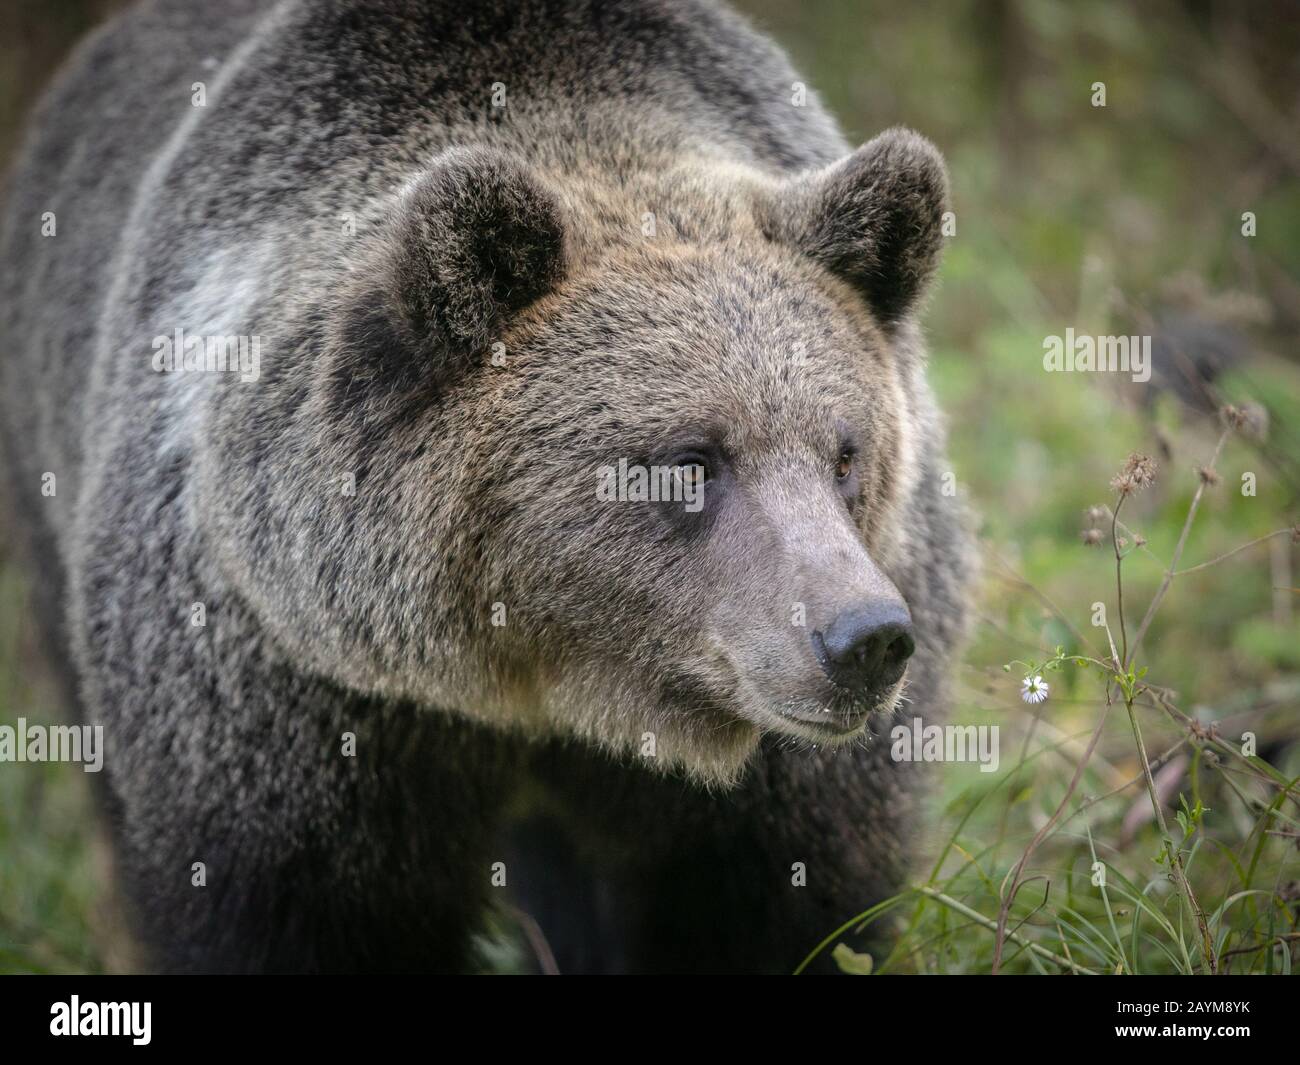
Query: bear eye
[844, 465]
[691, 470]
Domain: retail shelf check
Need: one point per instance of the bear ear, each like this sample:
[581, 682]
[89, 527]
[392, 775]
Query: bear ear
[873, 218]
[472, 241]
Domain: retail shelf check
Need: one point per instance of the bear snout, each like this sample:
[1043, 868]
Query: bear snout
[865, 649]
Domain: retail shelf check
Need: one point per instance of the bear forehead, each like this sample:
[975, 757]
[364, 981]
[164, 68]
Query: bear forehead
[751, 325]
[665, 347]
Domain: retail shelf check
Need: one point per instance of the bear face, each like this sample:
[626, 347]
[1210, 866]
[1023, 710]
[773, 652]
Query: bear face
[753, 374]
[757, 354]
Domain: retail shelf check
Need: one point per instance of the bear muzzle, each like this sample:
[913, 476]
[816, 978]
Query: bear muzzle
[865, 649]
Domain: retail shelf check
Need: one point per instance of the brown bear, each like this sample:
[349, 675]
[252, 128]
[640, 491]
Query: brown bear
[479, 456]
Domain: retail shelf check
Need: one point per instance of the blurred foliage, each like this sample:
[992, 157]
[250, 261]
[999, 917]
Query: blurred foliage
[1116, 219]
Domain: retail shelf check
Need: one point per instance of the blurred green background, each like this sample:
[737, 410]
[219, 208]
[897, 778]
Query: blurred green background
[1122, 219]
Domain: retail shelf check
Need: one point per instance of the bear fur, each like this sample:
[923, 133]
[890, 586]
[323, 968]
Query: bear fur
[361, 636]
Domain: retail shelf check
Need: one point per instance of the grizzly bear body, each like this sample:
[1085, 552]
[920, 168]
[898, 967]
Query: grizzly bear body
[363, 640]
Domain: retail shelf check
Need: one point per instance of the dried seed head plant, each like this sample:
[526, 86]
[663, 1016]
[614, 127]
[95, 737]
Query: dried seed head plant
[1124, 680]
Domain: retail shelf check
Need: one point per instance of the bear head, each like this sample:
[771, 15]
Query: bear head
[637, 448]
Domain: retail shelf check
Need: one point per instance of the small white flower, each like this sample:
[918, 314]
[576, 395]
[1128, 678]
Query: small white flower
[1033, 690]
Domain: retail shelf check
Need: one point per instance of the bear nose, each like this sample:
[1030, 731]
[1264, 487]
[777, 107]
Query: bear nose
[866, 648]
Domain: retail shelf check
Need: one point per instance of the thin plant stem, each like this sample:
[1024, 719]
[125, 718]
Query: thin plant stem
[1175, 859]
[1236, 551]
[1119, 583]
[1178, 550]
